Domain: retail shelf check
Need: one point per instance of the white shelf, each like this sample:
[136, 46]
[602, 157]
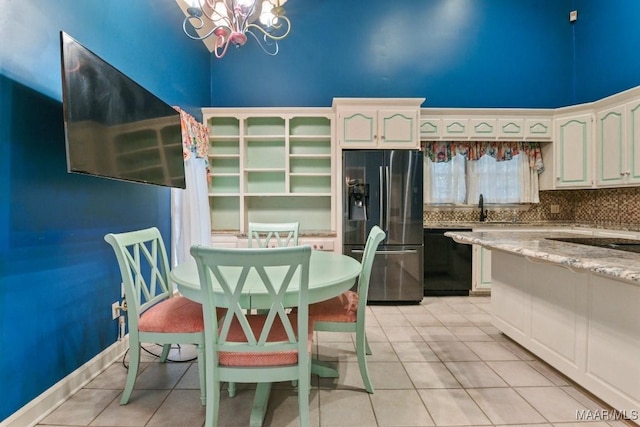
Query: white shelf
[272, 164]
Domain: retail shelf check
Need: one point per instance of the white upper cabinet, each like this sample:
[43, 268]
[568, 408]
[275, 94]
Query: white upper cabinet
[573, 150]
[618, 144]
[486, 124]
[632, 110]
[611, 167]
[378, 122]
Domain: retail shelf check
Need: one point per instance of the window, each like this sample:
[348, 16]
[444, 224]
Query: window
[502, 174]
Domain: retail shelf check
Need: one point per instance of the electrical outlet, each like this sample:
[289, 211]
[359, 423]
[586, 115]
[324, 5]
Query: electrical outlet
[555, 209]
[115, 310]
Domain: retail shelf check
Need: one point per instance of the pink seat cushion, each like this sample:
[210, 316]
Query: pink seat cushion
[277, 333]
[343, 308]
[173, 315]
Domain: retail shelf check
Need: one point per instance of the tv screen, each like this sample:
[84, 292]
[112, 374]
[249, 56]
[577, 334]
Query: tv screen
[114, 127]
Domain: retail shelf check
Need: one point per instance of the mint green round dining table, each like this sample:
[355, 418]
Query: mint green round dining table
[330, 274]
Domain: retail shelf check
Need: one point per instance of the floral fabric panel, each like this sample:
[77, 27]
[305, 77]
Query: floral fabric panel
[443, 151]
[195, 136]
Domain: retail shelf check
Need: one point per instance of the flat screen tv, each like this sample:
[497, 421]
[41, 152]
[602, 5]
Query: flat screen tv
[114, 127]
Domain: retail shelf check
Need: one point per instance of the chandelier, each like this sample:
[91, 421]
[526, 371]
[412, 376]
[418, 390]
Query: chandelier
[232, 20]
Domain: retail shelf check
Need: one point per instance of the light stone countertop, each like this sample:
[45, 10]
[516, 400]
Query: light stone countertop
[609, 262]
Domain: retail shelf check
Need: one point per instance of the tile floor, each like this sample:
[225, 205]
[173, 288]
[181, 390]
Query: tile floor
[440, 363]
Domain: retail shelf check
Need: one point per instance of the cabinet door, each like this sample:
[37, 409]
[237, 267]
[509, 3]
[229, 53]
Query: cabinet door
[318, 243]
[633, 141]
[481, 269]
[455, 128]
[398, 129]
[357, 129]
[484, 128]
[538, 129]
[511, 128]
[430, 128]
[573, 151]
[610, 147]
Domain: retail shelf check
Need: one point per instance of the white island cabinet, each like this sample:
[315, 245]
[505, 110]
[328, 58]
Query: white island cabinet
[574, 306]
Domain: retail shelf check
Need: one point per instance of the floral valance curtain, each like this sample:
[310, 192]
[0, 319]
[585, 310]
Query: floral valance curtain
[444, 151]
[195, 136]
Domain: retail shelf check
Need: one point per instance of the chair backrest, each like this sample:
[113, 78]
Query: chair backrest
[376, 235]
[225, 272]
[280, 234]
[144, 267]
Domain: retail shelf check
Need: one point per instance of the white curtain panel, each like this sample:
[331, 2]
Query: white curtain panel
[509, 181]
[447, 181]
[190, 223]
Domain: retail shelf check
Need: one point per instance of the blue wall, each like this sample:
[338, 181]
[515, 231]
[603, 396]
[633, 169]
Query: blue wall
[58, 277]
[607, 40]
[456, 53]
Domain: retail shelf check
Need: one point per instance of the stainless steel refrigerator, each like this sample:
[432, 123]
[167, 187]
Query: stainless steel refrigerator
[384, 188]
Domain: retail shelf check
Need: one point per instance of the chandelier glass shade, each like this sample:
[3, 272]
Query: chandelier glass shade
[233, 20]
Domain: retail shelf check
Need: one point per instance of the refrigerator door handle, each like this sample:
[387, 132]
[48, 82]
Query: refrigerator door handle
[381, 198]
[407, 251]
[387, 193]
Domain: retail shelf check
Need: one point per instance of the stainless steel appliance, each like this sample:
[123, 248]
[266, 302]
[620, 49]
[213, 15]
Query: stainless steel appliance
[384, 188]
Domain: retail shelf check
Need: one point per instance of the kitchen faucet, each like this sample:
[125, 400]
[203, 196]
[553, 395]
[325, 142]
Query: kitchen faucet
[483, 211]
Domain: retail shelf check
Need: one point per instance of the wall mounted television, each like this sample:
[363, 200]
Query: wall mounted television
[115, 128]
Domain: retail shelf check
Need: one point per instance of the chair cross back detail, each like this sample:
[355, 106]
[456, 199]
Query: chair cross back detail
[136, 252]
[277, 310]
[278, 234]
[147, 292]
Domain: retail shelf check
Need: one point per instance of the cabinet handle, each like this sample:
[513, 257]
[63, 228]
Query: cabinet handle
[623, 173]
[628, 173]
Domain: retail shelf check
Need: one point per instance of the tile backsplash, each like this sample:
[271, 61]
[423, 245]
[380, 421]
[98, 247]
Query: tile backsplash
[598, 207]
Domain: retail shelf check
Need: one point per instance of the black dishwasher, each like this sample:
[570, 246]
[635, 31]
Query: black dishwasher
[447, 264]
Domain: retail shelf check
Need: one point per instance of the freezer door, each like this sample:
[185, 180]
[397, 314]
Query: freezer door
[363, 167]
[403, 206]
[392, 182]
[397, 273]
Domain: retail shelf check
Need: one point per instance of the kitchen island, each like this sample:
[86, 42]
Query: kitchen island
[575, 306]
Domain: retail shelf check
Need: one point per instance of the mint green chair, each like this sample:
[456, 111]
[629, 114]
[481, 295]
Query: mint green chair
[346, 312]
[255, 348]
[264, 235]
[154, 314]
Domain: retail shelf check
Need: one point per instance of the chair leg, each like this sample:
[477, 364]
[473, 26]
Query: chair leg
[165, 352]
[231, 388]
[212, 391]
[366, 343]
[304, 391]
[361, 346]
[213, 404]
[132, 374]
[202, 374]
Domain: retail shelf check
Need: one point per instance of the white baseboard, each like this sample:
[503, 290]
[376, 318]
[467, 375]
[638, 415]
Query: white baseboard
[34, 411]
